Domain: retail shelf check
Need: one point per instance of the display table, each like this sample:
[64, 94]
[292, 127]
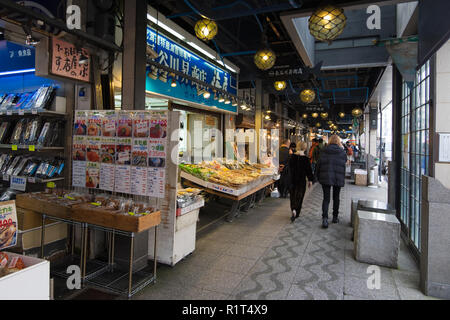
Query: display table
[243, 199]
[104, 275]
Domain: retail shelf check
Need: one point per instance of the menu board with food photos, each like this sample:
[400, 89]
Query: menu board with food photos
[120, 151]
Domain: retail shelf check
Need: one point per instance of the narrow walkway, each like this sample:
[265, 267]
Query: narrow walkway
[261, 255]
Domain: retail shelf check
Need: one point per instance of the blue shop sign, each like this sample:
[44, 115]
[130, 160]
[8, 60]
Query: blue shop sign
[15, 57]
[176, 57]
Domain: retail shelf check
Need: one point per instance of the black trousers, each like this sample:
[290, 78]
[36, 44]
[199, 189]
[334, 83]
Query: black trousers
[326, 200]
[297, 193]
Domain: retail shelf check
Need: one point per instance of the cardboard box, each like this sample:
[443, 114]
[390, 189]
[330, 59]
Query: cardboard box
[29, 225]
[361, 177]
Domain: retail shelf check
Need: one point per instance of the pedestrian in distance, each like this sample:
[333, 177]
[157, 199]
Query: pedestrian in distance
[284, 158]
[331, 175]
[299, 170]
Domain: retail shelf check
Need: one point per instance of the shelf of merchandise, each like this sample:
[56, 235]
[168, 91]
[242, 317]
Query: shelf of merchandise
[27, 148]
[40, 112]
[33, 180]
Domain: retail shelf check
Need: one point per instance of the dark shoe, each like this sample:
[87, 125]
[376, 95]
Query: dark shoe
[325, 223]
[335, 219]
[293, 216]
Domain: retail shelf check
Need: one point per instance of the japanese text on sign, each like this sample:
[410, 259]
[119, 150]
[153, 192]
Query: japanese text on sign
[66, 61]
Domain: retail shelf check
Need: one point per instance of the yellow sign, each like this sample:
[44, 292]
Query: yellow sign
[14, 147]
[51, 185]
[32, 148]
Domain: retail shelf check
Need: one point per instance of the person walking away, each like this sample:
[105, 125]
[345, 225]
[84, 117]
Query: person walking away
[315, 143]
[299, 170]
[331, 174]
[317, 150]
[284, 158]
[350, 158]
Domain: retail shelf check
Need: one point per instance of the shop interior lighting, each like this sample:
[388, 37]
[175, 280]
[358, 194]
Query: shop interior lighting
[357, 112]
[83, 60]
[165, 27]
[243, 105]
[206, 94]
[227, 101]
[154, 74]
[225, 65]
[7, 73]
[305, 116]
[324, 115]
[307, 96]
[173, 84]
[163, 76]
[341, 114]
[265, 59]
[221, 99]
[235, 103]
[206, 53]
[315, 115]
[327, 23]
[280, 85]
[206, 29]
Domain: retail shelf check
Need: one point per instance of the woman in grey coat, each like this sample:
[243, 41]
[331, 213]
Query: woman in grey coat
[331, 174]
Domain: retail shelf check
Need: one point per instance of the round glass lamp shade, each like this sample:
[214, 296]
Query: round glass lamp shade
[280, 85]
[307, 96]
[305, 116]
[206, 29]
[327, 23]
[265, 59]
[318, 125]
[357, 112]
[341, 114]
[315, 115]
[324, 115]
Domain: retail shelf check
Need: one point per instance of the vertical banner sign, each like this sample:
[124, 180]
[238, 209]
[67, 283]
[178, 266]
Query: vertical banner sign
[8, 224]
[66, 61]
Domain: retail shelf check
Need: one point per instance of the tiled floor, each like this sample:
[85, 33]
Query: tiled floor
[262, 255]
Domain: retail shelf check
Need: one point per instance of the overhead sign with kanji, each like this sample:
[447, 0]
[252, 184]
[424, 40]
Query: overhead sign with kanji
[176, 57]
[67, 61]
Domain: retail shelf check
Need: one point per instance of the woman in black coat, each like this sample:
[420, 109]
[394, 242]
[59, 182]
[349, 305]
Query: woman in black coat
[299, 168]
[331, 173]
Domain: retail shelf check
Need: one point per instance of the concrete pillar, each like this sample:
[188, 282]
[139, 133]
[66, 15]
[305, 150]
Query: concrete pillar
[442, 109]
[134, 55]
[435, 239]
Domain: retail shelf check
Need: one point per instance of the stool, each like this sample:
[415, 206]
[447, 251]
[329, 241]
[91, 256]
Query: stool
[377, 238]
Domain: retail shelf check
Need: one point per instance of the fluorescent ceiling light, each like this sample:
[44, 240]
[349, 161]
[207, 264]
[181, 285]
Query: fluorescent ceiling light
[162, 25]
[206, 53]
[7, 73]
[226, 66]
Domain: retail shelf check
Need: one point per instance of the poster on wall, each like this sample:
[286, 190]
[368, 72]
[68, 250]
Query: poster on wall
[109, 124]
[156, 182]
[141, 122]
[139, 181]
[121, 151]
[8, 225]
[93, 149]
[122, 181]
[124, 124]
[92, 175]
[80, 125]
[94, 124]
[107, 160]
